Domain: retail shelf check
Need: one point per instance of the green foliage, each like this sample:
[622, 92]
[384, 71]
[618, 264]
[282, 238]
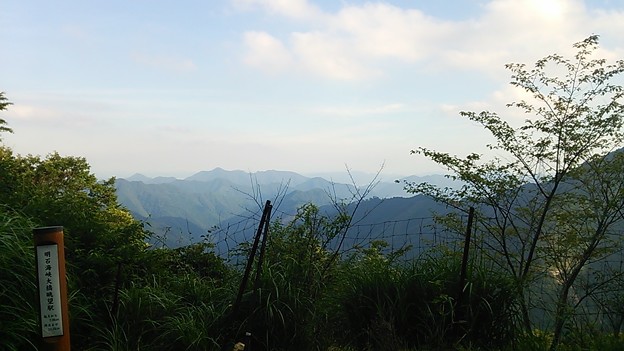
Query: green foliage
[183, 313]
[366, 300]
[551, 203]
[284, 311]
[196, 259]
[4, 103]
[122, 294]
[549, 212]
[384, 305]
[18, 317]
[173, 299]
[61, 190]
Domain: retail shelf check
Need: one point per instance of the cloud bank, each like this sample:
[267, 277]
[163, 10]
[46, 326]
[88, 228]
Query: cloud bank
[362, 41]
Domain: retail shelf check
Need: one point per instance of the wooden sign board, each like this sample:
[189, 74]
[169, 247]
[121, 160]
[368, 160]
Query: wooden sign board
[49, 291]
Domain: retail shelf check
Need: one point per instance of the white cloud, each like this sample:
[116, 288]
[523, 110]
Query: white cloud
[362, 41]
[329, 56]
[316, 53]
[266, 52]
[383, 30]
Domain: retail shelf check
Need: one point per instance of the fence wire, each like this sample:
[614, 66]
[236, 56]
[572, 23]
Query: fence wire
[599, 306]
[420, 234]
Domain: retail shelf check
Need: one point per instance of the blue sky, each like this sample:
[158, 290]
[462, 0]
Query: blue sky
[172, 88]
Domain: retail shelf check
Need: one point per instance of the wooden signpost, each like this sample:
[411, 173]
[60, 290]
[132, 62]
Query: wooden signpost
[52, 288]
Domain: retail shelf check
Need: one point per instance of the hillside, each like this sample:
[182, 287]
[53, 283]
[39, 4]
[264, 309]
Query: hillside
[181, 210]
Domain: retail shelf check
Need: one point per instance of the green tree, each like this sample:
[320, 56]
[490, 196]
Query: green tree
[4, 103]
[122, 294]
[99, 233]
[552, 198]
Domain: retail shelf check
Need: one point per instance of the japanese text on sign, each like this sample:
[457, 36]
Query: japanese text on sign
[49, 290]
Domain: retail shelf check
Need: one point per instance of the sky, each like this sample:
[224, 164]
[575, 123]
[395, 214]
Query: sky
[168, 88]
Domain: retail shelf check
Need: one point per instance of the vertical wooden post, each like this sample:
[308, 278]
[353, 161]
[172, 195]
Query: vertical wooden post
[464, 266]
[265, 234]
[52, 288]
[265, 216]
[263, 227]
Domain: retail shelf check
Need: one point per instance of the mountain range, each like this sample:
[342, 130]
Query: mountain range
[182, 210]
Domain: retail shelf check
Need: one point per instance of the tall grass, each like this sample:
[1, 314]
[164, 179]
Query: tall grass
[366, 302]
[381, 305]
[18, 316]
[281, 313]
[180, 314]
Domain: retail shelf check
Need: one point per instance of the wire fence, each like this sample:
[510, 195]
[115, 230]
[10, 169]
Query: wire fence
[596, 295]
[419, 234]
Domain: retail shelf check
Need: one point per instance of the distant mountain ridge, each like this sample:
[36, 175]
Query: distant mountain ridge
[385, 188]
[191, 206]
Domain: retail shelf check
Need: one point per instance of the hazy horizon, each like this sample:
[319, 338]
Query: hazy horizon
[361, 177]
[307, 86]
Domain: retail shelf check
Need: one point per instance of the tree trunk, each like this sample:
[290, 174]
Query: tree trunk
[560, 317]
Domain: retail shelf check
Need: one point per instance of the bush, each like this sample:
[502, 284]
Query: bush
[385, 305]
[19, 322]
